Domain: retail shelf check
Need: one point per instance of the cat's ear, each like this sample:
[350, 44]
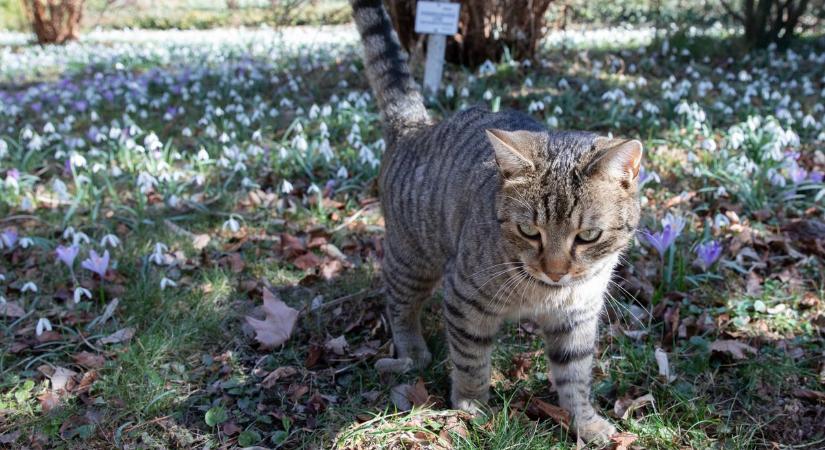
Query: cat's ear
[514, 151]
[620, 158]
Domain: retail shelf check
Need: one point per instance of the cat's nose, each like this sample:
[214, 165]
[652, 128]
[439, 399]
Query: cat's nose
[556, 276]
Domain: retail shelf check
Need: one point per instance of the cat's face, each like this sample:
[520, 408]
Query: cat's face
[568, 203]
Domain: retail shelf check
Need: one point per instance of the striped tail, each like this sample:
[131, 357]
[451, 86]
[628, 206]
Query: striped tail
[400, 102]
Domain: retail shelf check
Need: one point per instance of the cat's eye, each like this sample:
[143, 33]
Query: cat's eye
[590, 235]
[529, 231]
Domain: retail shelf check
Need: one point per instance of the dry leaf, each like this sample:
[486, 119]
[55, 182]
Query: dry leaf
[624, 406]
[809, 394]
[90, 360]
[543, 409]
[337, 345]
[123, 335]
[278, 374]
[734, 348]
[12, 309]
[200, 241]
[48, 401]
[61, 377]
[664, 365]
[276, 328]
[230, 428]
[622, 441]
[417, 394]
[398, 396]
[308, 260]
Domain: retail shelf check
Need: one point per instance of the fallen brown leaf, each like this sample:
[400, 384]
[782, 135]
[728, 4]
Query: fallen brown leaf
[12, 309]
[278, 374]
[122, 335]
[734, 348]
[417, 393]
[90, 360]
[625, 405]
[337, 345]
[277, 327]
[809, 394]
[543, 409]
[48, 401]
[308, 260]
[622, 441]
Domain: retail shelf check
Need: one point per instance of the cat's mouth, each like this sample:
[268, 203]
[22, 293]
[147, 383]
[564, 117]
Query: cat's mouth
[566, 281]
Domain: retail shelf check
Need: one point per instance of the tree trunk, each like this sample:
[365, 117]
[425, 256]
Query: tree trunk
[54, 21]
[485, 29]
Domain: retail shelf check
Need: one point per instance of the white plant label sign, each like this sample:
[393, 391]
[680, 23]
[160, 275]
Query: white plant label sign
[436, 18]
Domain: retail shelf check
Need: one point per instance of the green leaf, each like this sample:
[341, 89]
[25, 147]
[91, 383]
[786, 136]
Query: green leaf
[248, 438]
[279, 437]
[216, 415]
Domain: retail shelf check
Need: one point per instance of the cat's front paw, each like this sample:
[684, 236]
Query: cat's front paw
[474, 406]
[596, 430]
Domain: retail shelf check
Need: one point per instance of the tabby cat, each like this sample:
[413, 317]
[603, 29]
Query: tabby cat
[516, 221]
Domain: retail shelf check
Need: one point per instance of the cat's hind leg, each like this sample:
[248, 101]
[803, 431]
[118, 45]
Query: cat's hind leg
[408, 283]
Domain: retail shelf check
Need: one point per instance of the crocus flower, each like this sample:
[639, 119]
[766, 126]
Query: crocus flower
[707, 253]
[67, 254]
[646, 176]
[677, 223]
[662, 240]
[816, 176]
[96, 263]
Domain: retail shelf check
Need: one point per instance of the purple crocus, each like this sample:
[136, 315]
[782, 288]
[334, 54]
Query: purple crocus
[646, 176]
[67, 254]
[707, 253]
[13, 174]
[662, 240]
[8, 237]
[96, 263]
[798, 174]
[816, 176]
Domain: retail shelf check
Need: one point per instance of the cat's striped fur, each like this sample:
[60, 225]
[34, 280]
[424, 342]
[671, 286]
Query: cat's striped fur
[495, 207]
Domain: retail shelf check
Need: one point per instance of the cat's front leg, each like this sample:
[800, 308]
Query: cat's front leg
[471, 331]
[571, 342]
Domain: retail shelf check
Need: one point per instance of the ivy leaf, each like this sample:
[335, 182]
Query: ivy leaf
[216, 415]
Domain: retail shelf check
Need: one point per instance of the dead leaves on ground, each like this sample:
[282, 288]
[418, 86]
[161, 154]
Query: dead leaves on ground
[407, 396]
[276, 328]
[736, 349]
[63, 382]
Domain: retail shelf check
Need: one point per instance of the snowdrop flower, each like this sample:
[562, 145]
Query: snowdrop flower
[286, 187]
[80, 237]
[96, 263]
[68, 233]
[164, 282]
[203, 155]
[43, 324]
[80, 292]
[342, 172]
[110, 240]
[313, 189]
[721, 221]
[231, 225]
[488, 95]
[29, 287]
[709, 145]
